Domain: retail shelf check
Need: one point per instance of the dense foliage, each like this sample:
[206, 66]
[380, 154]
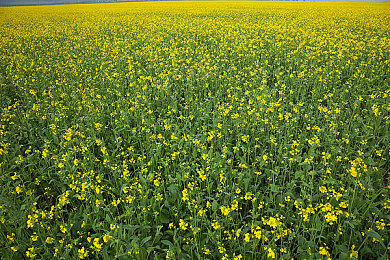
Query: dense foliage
[185, 130]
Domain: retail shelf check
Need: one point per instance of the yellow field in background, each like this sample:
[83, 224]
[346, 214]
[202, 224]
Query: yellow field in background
[195, 130]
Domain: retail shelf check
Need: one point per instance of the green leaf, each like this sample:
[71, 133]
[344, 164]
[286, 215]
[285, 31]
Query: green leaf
[145, 240]
[374, 234]
[164, 218]
[167, 243]
[214, 205]
[173, 189]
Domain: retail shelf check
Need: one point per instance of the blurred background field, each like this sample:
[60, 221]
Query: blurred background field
[195, 130]
[62, 2]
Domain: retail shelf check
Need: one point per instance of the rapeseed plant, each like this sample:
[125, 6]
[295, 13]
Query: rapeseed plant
[183, 130]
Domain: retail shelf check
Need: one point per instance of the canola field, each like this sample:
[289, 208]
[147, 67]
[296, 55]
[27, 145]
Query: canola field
[195, 130]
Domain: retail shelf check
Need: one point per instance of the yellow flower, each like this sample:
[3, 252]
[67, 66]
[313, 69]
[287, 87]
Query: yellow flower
[63, 229]
[202, 174]
[343, 205]
[215, 225]
[183, 225]
[30, 252]
[330, 217]
[273, 222]
[68, 134]
[185, 194]
[353, 252]
[106, 237]
[34, 237]
[257, 233]
[271, 253]
[14, 177]
[239, 257]
[11, 238]
[83, 253]
[323, 251]
[323, 189]
[98, 246]
[353, 172]
[225, 210]
[113, 226]
[18, 189]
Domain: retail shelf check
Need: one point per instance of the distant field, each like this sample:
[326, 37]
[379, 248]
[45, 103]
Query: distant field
[63, 2]
[195, 130]
[56, 2]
